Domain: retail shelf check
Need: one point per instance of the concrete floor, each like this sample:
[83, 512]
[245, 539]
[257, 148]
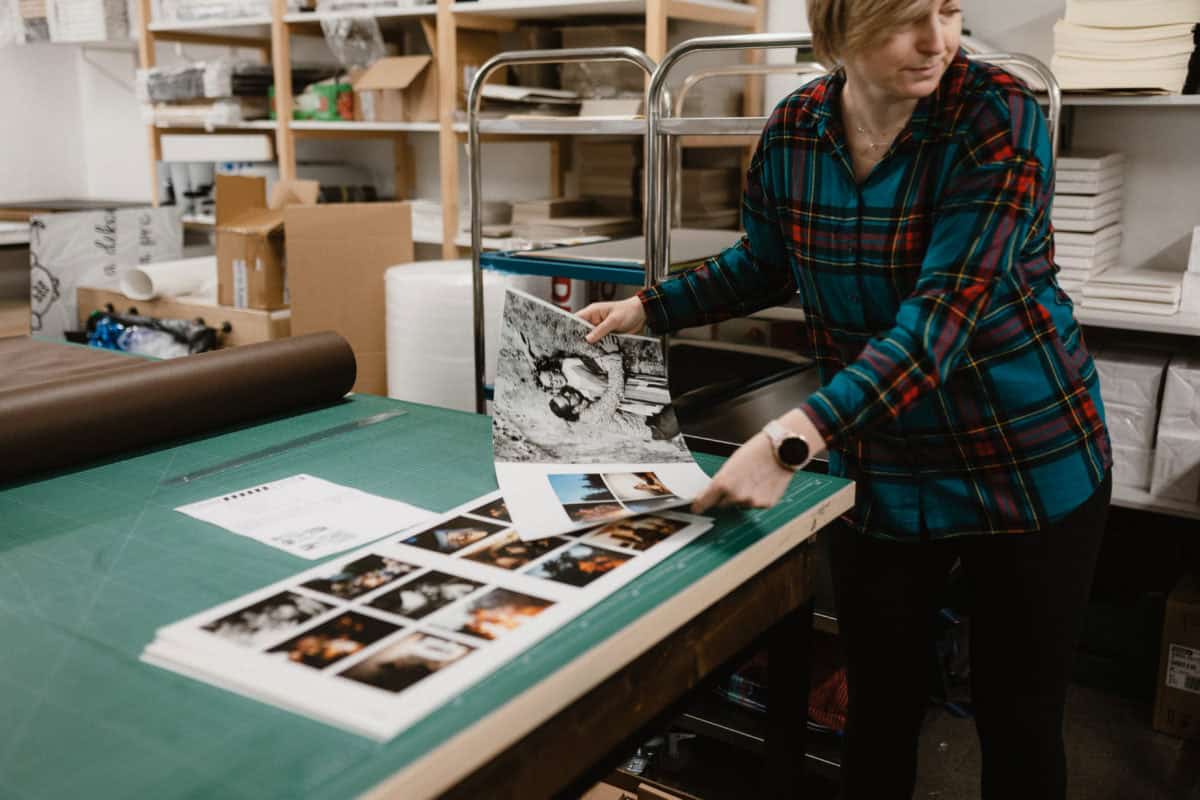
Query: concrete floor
[1112, 753]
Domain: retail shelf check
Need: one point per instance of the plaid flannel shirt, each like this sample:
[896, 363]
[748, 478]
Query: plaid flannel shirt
[956, 387]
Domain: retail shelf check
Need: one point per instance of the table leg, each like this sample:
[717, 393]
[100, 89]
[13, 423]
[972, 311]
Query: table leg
[789, 647]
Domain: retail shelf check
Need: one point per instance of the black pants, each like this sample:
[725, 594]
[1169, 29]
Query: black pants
[1027, 596]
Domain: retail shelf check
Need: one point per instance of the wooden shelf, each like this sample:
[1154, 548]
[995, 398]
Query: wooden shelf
[197, 127]
[721, 12]
[241, 32]
[1141, 500]
[1179, 324]
[388, 18]
[363, 128]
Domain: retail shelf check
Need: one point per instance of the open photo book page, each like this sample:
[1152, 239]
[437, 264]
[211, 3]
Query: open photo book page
[374, 640]
[583, 433]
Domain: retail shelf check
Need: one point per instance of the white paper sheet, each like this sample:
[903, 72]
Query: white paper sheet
[583, 433]
[374, 640]
[307, 516]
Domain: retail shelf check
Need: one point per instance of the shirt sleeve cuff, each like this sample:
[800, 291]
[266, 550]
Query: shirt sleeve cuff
[817, 408]
[656, 310]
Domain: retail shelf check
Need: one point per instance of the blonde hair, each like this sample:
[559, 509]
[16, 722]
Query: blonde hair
[840, 27]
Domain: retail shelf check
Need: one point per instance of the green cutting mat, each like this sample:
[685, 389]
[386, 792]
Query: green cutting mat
[92, 562]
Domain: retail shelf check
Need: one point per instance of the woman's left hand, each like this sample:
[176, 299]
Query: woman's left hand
[751, 477]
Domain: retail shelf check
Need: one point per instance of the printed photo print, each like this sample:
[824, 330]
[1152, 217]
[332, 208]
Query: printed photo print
[425, 594]
[494, 510]
[413, 658]
[361, 576]
[268, 620]
[594, 512]
[579, 565]
[630, 487]
[509, 552]
[580, 488]
[332, 641]
[492, 614]
[636, 533]
[560, 400]
[453, 534]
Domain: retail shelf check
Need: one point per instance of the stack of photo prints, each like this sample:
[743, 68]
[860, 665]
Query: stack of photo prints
[583, 433]
[374, 640]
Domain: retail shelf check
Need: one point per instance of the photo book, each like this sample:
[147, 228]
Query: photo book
[374, 640]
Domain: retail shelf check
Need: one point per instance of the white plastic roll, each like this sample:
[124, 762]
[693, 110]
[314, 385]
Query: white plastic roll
[431, 334]
[190, 276]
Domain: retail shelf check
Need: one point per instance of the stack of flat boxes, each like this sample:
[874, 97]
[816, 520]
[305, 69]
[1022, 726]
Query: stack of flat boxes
[1177, 449]
[1086, 216]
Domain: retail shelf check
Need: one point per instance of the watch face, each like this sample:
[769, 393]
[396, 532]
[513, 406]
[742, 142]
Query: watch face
[793, 450]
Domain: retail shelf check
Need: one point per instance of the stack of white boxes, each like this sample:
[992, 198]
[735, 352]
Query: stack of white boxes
[1130, 384]
[1086, 216]
[1190, 301]
[1177, 452]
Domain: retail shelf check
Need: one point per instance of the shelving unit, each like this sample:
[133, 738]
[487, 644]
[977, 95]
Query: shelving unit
[271, 36]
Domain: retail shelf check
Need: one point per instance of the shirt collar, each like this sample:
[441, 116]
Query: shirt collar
[933, 117]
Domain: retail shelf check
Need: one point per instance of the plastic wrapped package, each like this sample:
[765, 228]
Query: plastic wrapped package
[1131, 377]
[430, 332]
[1181, 397]
[1131, 426]
[1176, 467]
[356, 42]
[1132, 466]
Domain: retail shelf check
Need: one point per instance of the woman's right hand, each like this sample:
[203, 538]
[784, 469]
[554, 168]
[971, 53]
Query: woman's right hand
[621, 316]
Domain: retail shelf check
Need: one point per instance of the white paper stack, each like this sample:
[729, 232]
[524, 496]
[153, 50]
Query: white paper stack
[1086, 216]
[1131, 45]
[1177, 450]
[87, 20]
[1135, 291]
[1130, 384]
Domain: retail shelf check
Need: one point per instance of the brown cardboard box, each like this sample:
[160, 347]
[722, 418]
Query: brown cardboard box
[405, 89]
[338, 254]
[1177, 704]
[250, 251]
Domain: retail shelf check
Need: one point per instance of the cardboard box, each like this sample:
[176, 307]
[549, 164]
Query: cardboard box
[1177, 701]
[405, 88]
[250, 245]
[338, 256]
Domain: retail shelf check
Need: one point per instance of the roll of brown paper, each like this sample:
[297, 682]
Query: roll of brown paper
[71, 421]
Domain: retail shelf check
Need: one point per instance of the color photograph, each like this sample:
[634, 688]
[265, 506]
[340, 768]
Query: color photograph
[268, 620]
[636, 533]
[332, 641]
[424, 594]
[509, 552]
[361, 576]
[575, 488]
[453, 534]
[594, 512]
[494, 510]
[633, 486]
[408, 661]
[578, 565]
[493, 614]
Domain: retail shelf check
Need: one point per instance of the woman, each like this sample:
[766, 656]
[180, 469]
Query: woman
[906, 197]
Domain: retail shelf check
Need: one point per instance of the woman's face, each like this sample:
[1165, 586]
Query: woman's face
[909, 62]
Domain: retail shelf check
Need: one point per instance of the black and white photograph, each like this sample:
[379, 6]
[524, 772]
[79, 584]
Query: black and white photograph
[453, 534]
[425, 594]
[509, 551]
[630, 487]
[361, 576]
[494, 510]
[560, 400]
[637, 533]
[330, 642]
[493, 614]
[408, 661]
[579, 565]
[268, 620]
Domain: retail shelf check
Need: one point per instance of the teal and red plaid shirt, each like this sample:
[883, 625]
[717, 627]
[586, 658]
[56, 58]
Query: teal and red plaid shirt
[956, 387]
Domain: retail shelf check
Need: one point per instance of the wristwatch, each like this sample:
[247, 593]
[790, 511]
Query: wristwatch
[790, 448]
